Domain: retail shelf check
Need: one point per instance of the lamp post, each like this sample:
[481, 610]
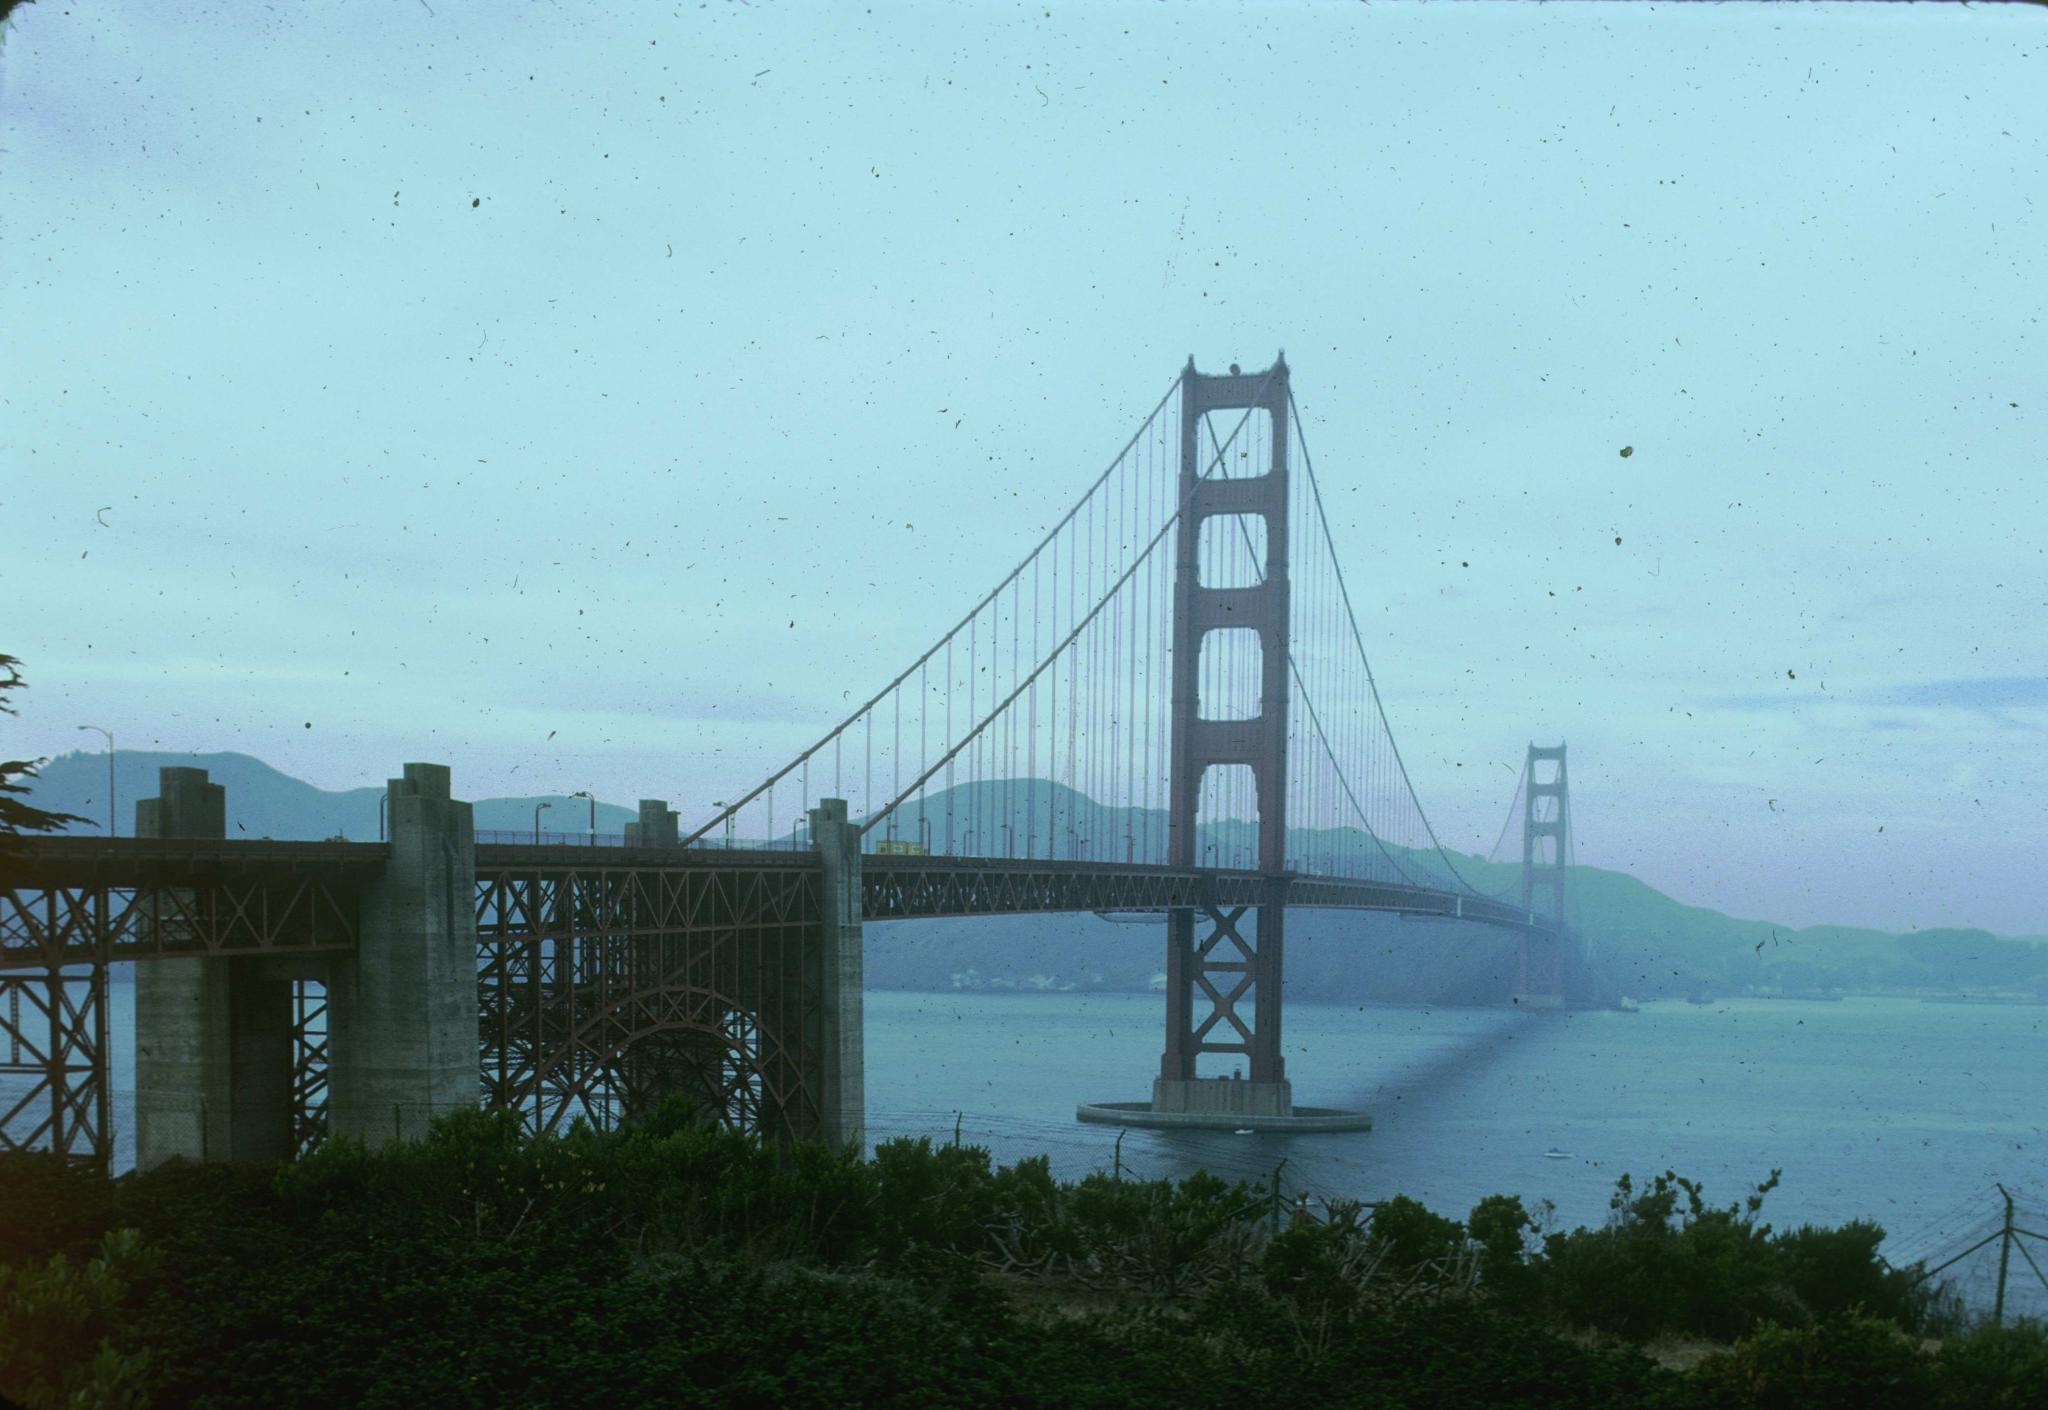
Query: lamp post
[536, 821]
[586, 793]
[383, 801]
[924, 827]
[112, 816]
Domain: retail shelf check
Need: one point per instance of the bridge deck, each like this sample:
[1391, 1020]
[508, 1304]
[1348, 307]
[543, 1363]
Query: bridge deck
[67, 900]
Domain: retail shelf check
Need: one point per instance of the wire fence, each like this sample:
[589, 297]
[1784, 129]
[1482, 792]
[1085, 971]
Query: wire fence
[1988, 1255]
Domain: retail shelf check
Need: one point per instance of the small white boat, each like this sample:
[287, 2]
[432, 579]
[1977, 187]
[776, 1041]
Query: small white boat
[1242, 1131]
[1555, 1154]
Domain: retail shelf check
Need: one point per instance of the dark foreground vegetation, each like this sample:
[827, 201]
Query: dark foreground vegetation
[669, 1264]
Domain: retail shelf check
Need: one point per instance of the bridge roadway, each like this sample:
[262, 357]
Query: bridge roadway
[73, 900]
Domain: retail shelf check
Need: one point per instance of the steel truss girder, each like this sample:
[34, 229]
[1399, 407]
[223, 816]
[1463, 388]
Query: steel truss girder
[898, 888]
[605, 986]
[905, 888]
[49, 917]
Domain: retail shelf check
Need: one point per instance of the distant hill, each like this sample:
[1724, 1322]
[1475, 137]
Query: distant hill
[1638, 941]
[265, 803]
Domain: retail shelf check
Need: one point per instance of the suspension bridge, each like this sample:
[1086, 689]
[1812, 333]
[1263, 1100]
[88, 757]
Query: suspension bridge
[1165, 707]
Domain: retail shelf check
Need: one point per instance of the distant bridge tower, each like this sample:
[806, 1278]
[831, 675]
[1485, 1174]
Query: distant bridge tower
[1233, 977]
[1546, 840]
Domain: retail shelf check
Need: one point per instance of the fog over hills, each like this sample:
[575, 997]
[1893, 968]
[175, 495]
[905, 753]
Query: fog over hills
[1640, 942]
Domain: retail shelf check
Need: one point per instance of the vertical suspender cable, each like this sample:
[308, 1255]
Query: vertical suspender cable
[1031, 735]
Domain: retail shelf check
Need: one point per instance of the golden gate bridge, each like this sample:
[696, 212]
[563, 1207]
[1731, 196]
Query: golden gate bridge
[1165, 706]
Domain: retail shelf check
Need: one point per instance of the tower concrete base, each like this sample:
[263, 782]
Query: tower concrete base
[1302, 1120]
[1222, 1104]
[1223, 1096]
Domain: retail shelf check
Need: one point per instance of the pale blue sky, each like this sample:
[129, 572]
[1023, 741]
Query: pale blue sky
[452, 374]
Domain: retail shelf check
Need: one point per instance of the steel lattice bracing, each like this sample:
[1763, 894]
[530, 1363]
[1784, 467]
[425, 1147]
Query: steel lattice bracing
[310, 1060]
[55, 1092]
[609, 982]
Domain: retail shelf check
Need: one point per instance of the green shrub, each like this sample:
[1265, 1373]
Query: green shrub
[1412, 1235]
[1847, 1362]
[1994, 1368]
[1668, 1262]
[1161, 1239]
[1502, 1229]
[57, 1320]
[53, 1205]
[1322, 1267]
[934, 1197]
[1833, 1271]
[672, 1261]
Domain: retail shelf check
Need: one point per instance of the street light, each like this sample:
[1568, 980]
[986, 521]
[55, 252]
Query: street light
[383, 799]
[112, 816]
[586, 793]
[536, 821]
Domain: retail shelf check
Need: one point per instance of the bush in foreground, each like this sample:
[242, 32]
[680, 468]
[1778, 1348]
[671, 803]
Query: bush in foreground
[674, 1263]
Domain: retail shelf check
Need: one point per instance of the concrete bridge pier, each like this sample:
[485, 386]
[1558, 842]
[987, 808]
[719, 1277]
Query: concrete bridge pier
[841, 972]
[402, 1007]
[213, 1046]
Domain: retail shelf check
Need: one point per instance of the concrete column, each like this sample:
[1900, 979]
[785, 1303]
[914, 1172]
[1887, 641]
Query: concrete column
[656, 828]
[213, 1058]
[842, 1089]
[402, 1010]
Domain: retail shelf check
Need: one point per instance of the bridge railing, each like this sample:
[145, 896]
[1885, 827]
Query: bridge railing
[531, 838]
[527, 837]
